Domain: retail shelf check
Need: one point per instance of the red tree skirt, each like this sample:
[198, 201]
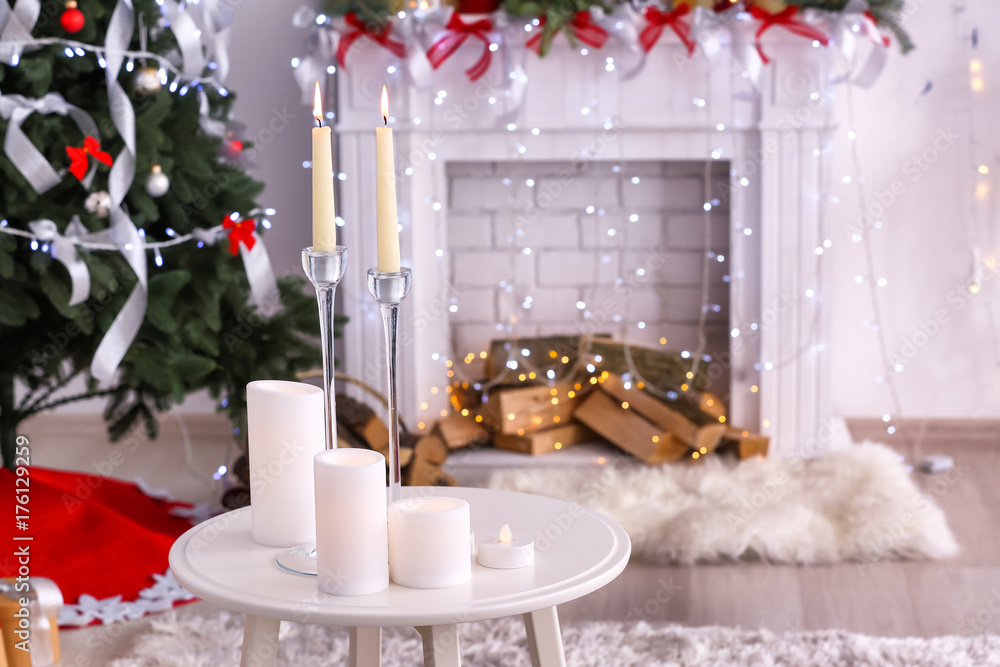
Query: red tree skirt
[91, 535]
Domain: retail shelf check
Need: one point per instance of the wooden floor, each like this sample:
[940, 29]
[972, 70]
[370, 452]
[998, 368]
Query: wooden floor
[896, 599]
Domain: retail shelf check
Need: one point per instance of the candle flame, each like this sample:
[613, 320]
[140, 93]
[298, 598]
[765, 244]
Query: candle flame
[318, 105]
[505, 535]
[385, 105]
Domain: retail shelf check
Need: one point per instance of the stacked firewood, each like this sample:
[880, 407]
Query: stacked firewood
[420, 455]
[648, 402]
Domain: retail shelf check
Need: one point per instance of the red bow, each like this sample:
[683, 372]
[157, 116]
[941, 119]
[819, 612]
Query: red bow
[78, 157]
[373, 31]
[585, 31]
[457, 33]
[784, 18]
[240, 230]
[658, 20]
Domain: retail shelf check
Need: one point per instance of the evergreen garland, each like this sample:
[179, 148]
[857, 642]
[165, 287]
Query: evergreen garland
[887, 13]
[200, 331]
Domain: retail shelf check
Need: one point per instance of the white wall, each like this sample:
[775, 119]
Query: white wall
[924, 247]
[261, 49]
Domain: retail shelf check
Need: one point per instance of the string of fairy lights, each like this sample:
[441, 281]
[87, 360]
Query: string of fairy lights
[979, 220]
[582, 370]
[573, 373]
[567, 372]
[983, 213]
[164, 71]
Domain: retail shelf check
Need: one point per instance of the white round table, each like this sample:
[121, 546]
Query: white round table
[577, 551]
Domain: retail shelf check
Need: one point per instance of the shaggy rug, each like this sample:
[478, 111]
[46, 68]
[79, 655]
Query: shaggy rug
[215, 641]
[857, 503]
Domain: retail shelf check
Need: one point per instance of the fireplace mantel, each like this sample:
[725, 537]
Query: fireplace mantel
[675, 109]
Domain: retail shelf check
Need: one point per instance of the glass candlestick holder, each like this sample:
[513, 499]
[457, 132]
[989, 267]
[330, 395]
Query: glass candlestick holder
[324, 269]
[389, 290]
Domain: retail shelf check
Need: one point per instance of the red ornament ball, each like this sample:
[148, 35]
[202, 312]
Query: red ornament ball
[72, 19]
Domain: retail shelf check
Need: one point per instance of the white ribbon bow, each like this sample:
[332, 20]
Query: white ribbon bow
[22, 153]
[64, 251]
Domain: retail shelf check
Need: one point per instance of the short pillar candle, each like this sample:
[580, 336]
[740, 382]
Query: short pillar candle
[429, 544]
[285, 430]
[352, 543]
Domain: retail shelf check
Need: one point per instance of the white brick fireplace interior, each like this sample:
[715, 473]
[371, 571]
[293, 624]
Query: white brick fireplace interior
[457, 141]
[561, 248]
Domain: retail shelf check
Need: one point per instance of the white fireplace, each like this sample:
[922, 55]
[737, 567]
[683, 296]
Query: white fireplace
[473, 162]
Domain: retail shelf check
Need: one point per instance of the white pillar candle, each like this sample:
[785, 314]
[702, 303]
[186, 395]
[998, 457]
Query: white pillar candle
[429, 545]
[285, 430]
[506, 552]
[352, 549]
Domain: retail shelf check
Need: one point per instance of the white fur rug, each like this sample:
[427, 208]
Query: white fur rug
[215, 641]
[857, 503]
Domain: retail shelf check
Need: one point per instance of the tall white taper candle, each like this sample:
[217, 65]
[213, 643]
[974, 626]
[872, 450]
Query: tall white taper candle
[324, 208]
[385, 190]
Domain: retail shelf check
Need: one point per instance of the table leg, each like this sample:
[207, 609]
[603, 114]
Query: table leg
[366, 647]
[441, 648]
[544, 639]
[260, 642]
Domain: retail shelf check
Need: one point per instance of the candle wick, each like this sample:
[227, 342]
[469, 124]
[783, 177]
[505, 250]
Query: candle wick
[319, 121]
[385, 121]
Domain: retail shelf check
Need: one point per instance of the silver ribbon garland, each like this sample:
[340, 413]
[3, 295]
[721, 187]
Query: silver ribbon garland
[263, 284]
[22, 153]
[743, 31]
[414, 34]
[199, 35]
[216, 21]
[64, 250]
[185, 30]
[321, 48]
[123, 233]
[16, 26]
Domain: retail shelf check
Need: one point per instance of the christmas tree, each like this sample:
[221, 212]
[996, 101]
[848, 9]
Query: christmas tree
[119, 167]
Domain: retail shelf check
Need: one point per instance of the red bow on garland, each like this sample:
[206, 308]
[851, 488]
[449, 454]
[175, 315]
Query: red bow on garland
[458, 32]
[585, 31]
[78, 161]
[240, 230]
[784, 18]
[658, 20]
[373, 31]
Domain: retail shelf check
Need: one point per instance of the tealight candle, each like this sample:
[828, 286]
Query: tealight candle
[429, 545]
[507, 552]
